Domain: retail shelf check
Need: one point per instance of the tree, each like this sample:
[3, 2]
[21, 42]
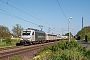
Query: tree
[4, 32]
[83, 32]
[17, 30]
[67, 34]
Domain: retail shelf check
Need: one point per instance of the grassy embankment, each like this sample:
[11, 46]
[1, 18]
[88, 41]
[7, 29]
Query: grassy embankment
[7, 42]
[64, 50]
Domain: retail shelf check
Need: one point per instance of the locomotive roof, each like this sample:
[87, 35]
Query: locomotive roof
[36, 30]
[32, 29]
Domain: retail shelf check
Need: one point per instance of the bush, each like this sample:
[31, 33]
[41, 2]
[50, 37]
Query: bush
[8, 40]
[65, 50]
[67, 55]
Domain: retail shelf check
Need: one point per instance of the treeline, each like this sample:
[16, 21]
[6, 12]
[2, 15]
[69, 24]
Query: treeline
[84, 32]
[5, 32]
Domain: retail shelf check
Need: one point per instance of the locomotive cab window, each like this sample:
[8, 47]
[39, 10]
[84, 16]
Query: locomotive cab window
[33, 33]
[26, 32]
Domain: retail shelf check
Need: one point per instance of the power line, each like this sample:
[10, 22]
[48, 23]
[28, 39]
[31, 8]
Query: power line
[21, 10]
[24, 7]
[7, 1]
[5, 14]
[61, 9]
[29, 10]
[9, 14]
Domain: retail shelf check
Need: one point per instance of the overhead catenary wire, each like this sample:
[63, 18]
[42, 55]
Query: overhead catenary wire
[5, 14]
[30, 11]
[62, 10]
[25, 7]
[19, 9]
[7, 1]
[9, 14]
[22, 11]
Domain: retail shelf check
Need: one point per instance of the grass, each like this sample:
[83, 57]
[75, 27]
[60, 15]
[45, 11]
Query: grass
[64, 50]
[13, 43]
[73, 39]
[15, 57]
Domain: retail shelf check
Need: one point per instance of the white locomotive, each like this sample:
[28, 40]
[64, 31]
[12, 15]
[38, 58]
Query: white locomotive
[30, 36]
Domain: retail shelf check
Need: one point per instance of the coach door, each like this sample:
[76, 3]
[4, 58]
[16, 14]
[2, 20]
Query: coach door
[33, 36]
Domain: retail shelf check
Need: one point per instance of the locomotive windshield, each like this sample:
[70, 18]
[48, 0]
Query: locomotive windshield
[26, 32]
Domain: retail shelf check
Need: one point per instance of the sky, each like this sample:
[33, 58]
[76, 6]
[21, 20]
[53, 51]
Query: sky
[53, 14]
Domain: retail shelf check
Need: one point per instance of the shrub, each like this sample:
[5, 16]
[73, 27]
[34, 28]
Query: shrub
[65, 50]
[8, 40]
[66, 55]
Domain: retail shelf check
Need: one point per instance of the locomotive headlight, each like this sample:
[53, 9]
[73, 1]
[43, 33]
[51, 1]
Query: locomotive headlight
[21, 39]
[29, 38]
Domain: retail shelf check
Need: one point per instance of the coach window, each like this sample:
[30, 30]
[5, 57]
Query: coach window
[33, 33]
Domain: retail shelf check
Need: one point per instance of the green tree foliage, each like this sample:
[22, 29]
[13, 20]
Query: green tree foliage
[17, 30]
[83, 32]
[4, 32]
[67, 34]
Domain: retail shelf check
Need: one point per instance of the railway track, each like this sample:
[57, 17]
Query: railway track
[9, 48]
[24, 51]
